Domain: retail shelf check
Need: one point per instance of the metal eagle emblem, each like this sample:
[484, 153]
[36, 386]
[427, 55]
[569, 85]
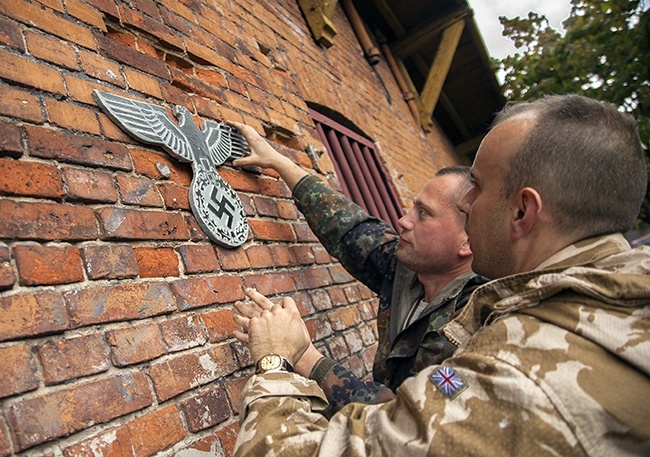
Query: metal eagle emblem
[215, 204]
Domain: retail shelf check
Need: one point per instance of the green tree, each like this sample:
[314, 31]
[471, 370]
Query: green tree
[604, 53]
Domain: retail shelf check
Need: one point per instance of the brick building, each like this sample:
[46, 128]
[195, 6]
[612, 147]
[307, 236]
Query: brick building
[115, 307]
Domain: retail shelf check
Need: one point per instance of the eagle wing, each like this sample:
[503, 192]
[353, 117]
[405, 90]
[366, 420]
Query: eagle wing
[146, 122]
[224, 142]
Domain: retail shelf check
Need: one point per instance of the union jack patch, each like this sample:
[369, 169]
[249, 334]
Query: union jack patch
[448, 381]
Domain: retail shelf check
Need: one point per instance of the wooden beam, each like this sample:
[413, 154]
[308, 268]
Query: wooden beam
[427, 122]
[389, 16]
[423, 36]
[453, 114]
[318, 14]
[440, 67]
[470, 145]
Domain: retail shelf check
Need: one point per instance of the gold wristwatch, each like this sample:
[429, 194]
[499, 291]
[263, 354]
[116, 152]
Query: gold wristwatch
[272, 363]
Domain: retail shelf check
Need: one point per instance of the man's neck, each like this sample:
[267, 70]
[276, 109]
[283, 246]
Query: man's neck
[434, 282]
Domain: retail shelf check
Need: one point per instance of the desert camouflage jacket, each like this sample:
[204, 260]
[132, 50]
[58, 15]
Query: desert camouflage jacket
[551, 362]
[365, 247]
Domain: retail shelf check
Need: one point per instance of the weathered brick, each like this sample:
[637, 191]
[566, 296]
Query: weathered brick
[319, 327]
[206, 410]
[234, 388]
[156, 262]
[198, 258]
[156, 431]
[272, 230]
[228, 436]
[321, 255]
[135, 344]
[338, 348]
[89, 185]
[119, 302]
[183, 333]
[337, 296]
[320, 299]
[260, 256]
[287, 209]
[76, 407]
[20, 104]
[21, 69]
[101, 68]
[47, 20]
[219, 324]
[277, 282]
[283, 256]
[340, 275]
[109, 261]
[198, 292]
[174, 196]
[353, 340]
[18, 177]
[343, 318]
[46, 265]
[312, 278]
[254, 183]
[85, 13]
[115, 50]
[71, 116]
[131, 224]
[136, 190]
[29, 315]
[242, 354]
[18, 371]
[10, 35]
[51, 49]
[142, 83]
[161, 166]
[10, 140]
[72, 358]
[194, 85]
[304, 233]
[233, 259]
[5, 440]
[7, 276]
[208, 446]
[303, 254]
[55, 144]
[115, 442]
[177, 375]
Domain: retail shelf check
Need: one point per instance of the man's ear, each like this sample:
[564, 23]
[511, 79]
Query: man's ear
[528, 207]
[465, 249]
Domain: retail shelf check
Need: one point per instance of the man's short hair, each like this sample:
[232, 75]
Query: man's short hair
[585, 158]
[464, 184]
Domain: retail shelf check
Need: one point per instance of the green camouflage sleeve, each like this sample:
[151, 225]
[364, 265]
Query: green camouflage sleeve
[364, 245]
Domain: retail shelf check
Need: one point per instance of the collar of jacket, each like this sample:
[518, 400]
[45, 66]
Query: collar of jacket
[586, 267]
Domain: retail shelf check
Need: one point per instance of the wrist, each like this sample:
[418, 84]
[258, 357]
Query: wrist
[273, 363]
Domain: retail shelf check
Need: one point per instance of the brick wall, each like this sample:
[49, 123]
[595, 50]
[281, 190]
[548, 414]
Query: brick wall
[115, 309]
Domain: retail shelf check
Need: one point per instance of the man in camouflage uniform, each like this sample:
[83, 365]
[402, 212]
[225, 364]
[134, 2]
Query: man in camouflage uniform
[554, 355]
[422, 278]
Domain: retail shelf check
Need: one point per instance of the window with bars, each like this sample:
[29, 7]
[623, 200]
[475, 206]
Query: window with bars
[360, 172]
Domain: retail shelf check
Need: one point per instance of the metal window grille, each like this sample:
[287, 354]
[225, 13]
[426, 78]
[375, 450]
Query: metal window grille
[361, 173]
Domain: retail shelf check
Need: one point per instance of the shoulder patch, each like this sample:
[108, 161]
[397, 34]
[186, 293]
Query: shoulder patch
[448, 382]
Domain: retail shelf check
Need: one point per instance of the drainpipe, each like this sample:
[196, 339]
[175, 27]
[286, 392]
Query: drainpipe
[369, 49]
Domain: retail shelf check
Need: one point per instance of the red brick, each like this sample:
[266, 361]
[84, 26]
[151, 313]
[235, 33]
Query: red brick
[157, 262]
[321, 255]
[303, 254]
[219, 324]
[142, 83]
[198, 258]
[161, 166]
[51, 49]
[130, 224]
[54, 144]
[152, 27]
[174, 196]
[20, 104]
[72, 116]
[312, 278]
[272, 283]
[18, 370]
[73, 358]
[194, 85]
[354, 341]
[10, 140]
[344, 318]
[287, 209]
[156, 431]
[115, 50]
[208, 446]
[7, 276]
[40, 419]
[44, 221]
[338, 348]
[135, 344]
[10, 35]
[206, 410]
[31, 315]
[100, 68]
[119, 302]
[5, 440]
[233, 259]
[138, 191]
[260, 256]
[319, 327]
[304, 233]
[89, 185]
[272, 230]
[249, 182]
[338, 297]
[85, 13]
[228, 436]
[46, 265]
[183, 333]
[234, 388]
[320, 299]
[115, 442]
[177, 375]
[109, 261]
[340, 275]
[48, 21]
[22, 70]
[198, 292]
[283, 256]
[242, 354]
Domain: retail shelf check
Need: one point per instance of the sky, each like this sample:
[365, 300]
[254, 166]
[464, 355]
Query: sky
[487, 12]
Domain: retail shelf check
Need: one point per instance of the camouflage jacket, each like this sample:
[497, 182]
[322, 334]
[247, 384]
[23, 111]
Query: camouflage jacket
[551, 362]
[365, 247]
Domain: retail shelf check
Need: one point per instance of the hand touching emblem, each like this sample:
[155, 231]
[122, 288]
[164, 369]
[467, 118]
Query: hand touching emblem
[215, 204]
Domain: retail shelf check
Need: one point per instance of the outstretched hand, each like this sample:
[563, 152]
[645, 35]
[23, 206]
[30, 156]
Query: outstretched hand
[272, 329]
[262, 153]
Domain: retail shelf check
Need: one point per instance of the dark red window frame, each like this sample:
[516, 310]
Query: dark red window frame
[361, 174]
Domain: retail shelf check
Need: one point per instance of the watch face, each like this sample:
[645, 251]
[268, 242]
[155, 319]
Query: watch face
[270, 362]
